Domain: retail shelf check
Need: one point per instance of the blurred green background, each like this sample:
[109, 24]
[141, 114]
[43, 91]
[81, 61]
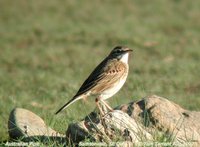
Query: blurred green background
[48, 48]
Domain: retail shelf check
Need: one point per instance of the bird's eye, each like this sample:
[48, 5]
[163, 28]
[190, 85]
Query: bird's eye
[118, 51]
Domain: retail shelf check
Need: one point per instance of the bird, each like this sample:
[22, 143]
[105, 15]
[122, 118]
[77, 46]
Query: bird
[105, 80]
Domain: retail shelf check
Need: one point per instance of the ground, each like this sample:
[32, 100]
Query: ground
[48, 48]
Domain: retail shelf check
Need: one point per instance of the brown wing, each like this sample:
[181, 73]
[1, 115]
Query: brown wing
[112, 73]
[106, 73]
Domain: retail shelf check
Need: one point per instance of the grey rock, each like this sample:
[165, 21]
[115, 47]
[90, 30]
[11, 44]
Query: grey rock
[130, 124]
[26, 125]
[141, 121]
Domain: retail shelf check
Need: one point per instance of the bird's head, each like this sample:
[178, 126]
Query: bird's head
[120, 53]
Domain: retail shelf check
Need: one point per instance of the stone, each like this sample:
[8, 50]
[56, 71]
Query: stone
[26, 125]
[140, 121]
[137, 123]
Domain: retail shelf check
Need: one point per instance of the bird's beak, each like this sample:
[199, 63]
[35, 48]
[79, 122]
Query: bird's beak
[128, 50]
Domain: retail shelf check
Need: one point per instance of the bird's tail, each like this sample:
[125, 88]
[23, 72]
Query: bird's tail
[68, 103]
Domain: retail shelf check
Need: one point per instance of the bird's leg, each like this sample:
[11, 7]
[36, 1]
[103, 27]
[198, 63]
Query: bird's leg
[103, 107]
[99, 107]
[101, 114]
[109, 108]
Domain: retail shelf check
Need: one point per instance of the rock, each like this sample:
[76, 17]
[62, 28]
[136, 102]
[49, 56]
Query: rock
[26, 125]
[115, 126]
[181, 125]
[141, 121]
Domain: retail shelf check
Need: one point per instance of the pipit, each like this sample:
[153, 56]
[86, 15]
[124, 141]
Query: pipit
[106, 79]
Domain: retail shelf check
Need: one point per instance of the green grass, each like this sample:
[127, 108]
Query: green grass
[48, 48]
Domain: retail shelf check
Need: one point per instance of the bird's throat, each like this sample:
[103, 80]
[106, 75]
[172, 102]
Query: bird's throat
[124, 58]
